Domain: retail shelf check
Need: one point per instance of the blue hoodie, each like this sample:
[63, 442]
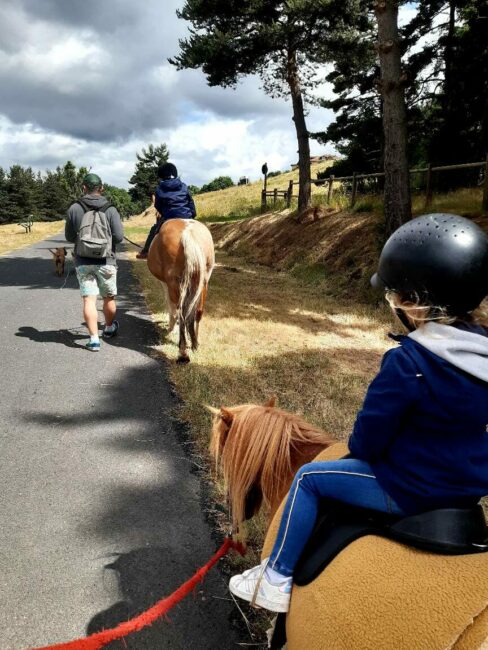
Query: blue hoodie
[424, 423]
[174, 201]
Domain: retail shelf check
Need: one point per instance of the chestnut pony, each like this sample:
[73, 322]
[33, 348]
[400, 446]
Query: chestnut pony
[259, 450]
[182, 257]
[376, 594]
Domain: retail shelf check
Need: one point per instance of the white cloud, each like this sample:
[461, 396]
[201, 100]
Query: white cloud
[90, 82]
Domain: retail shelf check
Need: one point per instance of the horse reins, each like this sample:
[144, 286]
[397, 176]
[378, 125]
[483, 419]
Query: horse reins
[132, 242]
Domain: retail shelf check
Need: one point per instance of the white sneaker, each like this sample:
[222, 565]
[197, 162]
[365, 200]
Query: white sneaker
[254, 587]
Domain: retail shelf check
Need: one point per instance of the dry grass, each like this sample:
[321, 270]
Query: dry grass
[266, 332]
[306, 336]
[12, 236]
[245, 200]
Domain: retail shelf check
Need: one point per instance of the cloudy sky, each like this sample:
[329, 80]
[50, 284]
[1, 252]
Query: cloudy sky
[89, 81]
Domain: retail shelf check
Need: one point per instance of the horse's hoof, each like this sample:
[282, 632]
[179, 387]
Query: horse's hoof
[183, 360]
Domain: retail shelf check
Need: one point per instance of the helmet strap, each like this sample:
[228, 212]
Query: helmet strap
[404, 320]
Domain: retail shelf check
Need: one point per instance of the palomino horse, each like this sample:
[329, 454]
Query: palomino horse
[182, 257]
[377, 594]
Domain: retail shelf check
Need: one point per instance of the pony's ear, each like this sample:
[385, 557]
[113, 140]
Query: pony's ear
[226, 415]
[271, 401]
[212, 409]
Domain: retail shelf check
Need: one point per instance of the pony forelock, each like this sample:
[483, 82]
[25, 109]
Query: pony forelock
[257, 448]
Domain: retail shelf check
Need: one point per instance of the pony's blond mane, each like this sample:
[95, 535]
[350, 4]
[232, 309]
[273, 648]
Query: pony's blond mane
[258, 447]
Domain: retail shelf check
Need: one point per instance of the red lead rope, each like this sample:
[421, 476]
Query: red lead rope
[101, 639]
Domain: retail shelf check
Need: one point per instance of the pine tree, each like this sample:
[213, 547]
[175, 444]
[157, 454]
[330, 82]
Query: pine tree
[4, 213]
[397, 204]
[282, 41]
[55, 196]
[145, 177]
[22, 193]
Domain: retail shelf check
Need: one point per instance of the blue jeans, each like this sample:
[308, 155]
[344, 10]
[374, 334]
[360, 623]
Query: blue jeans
[349, 480]
[152, 234]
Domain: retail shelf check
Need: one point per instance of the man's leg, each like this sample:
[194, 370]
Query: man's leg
[107, 282]
[90, 314]
[109, 310]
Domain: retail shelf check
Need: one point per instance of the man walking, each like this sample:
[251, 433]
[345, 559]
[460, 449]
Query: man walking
[95, 227]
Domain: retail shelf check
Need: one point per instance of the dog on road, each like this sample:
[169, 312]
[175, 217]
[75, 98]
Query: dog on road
[59, 255]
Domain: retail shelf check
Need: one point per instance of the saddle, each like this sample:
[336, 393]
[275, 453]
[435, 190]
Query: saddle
[448, 532]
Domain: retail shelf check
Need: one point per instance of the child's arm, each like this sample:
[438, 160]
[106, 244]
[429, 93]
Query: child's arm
[390, 395]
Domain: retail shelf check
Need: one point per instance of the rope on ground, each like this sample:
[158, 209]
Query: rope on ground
[70, 266]
[101, 639]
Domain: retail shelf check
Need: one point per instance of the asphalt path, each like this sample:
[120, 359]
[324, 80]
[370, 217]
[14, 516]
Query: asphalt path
[100, 512]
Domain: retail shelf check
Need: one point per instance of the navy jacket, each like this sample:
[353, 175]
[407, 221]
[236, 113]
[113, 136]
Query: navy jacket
[424, 428]
[174, 201]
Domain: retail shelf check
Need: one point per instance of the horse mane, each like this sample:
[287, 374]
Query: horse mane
[255, 445]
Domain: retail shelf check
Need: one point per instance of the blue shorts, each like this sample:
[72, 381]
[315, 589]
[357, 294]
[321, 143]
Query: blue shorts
[95, 279]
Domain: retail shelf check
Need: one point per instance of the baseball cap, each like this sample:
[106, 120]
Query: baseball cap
[92, 180]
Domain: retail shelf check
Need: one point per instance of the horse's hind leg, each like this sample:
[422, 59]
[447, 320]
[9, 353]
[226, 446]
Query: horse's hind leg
[183, 356]
[172, 309]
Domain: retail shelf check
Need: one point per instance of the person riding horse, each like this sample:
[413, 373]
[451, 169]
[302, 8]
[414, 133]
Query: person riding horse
[419, 443]
[172, 201]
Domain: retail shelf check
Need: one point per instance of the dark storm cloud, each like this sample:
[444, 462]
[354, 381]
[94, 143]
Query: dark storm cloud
[102, 16]
[98, 70]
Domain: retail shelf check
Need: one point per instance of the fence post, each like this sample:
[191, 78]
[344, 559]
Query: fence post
[263, 201]
[485, 186]
[329, 191]
[275, 196]
[289, 195]
[428, 187]
[354, 189]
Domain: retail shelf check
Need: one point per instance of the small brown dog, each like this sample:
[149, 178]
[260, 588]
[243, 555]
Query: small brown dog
[59, 255]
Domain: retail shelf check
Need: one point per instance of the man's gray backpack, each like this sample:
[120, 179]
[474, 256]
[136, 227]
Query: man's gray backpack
[94, 237]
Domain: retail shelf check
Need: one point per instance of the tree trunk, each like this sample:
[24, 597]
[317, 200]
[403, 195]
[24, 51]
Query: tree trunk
[304, 189]
[397, 180]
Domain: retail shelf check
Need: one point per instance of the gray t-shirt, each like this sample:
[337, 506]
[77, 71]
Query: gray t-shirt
[73, 222]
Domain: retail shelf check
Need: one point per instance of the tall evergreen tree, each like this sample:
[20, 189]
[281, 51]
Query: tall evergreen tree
[281, 40]
[145, 177]
[4, 214]
[55, 195]
[22, 193]
[445, 64]
[397, 205]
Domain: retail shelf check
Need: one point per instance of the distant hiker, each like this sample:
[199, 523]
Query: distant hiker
[94, 225]
[173, 201]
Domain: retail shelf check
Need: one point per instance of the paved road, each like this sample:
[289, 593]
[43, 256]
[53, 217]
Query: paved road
[100, 515]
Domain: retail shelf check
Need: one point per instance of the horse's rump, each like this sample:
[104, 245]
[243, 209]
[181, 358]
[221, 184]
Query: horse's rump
[182, 256]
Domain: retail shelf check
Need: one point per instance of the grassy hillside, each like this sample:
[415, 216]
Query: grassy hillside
[245, 200]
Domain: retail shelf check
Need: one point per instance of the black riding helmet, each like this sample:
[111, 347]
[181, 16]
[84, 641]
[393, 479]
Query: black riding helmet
[440, 258]
[167, 170]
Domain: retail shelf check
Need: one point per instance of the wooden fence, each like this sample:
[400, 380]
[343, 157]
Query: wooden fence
[288, 195]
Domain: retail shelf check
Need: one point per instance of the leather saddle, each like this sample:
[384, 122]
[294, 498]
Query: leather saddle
[449, 531]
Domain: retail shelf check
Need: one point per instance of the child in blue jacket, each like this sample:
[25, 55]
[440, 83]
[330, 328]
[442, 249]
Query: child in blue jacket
[420, 441]
[172, 201]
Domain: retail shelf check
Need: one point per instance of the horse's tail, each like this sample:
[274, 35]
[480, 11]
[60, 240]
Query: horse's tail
[192, 283]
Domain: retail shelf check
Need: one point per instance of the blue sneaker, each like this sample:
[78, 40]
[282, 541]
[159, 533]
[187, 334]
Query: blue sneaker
[93, 346]
[108, 332]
